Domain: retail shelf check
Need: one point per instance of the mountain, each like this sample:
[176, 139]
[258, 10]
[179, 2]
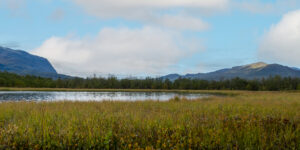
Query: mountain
[23, 63]
[252, 71]
[295, 68]
[171, 77]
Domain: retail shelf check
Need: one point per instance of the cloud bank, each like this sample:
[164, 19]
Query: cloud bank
[57, 15]
[118, 51]
[282, 42]
[142, 8]
[14, 6]
[153, 49]
[175, 14]
[266, 7]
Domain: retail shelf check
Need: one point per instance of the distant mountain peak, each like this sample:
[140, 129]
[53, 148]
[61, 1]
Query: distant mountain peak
[295, 68]
[257, 70]
[257, 65]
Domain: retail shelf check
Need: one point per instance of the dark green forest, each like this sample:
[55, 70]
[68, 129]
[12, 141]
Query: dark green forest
[276, 83]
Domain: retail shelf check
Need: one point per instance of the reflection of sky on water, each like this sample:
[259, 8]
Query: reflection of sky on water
[92, 96]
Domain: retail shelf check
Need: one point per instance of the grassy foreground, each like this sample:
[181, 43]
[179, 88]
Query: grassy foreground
[249, 120]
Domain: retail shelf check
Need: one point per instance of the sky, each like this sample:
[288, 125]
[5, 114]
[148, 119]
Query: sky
[152, 37]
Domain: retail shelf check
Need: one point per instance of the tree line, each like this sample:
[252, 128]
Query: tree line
[275, 83]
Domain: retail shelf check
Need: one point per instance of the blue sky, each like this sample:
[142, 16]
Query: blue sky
[141, 37]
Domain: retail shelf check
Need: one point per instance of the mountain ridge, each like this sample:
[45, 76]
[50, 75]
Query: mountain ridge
[257, 70]
[24, 63]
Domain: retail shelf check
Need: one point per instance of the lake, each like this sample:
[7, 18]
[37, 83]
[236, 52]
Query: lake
[94, 96]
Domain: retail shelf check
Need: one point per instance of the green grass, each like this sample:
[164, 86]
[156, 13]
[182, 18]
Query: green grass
[248, 120]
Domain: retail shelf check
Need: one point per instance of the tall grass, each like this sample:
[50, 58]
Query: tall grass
[251, 120]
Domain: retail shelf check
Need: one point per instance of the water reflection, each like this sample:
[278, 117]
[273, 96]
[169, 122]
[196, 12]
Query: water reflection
[93, 96]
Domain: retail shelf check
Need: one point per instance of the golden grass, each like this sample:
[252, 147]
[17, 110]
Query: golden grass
[248, 120]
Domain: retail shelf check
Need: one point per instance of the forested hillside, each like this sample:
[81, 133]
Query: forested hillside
[270, 84]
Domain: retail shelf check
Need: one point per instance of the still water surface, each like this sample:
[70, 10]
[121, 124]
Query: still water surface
[93, 96]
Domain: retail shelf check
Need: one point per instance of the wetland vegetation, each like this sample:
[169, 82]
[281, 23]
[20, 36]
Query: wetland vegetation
[247, 120]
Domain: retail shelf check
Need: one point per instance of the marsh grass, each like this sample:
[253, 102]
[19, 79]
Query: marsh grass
[250, 120]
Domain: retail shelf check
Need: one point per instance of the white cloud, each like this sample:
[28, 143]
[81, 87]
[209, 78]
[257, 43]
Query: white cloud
[265, 7]
[173, 14]
[57, 15]
[177, 14]
[138, 8]
[282, 42]
[117, 51]
[12, 4]
[15, 6]
[181, 22]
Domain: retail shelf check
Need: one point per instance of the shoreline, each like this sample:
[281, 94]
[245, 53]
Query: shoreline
[218, 92]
